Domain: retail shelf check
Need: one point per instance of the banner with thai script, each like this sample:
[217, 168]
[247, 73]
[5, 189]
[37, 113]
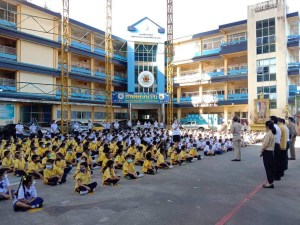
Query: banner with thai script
[145, 97]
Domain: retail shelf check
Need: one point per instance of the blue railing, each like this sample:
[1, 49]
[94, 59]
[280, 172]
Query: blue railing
[81, 70]
[81, 46]
[82, 96]
[210, 51]
[237, 72]
[294, 90]
[293, 37]
[8, 53]
[237, 96]
[233, 42]
[294, 66]
[216, 74]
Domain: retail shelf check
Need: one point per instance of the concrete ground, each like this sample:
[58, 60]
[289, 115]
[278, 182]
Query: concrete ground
[211, 191]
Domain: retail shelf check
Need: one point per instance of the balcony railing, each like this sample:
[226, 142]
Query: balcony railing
[7, 85]
[241, 71]
[294, 66]
[81, 68]
[211, 98]
[8, 18]
[237, 96]
[8, 53]
[233, 42]
[216, 73]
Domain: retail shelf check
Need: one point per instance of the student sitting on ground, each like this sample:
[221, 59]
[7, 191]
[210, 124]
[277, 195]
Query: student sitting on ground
[5, 190]
[109, 176]
[119, 160]
[175, 158]
[8, 162]
[183, 156]
[193, 152]
[19, 165]
[161, 163]
[207, 150]
[129, 171]
[139, 159]
[148, 168]
[53, 175]
[27, 195]
[35, 167]
[170, 149]
[83, 179]
[70, 157]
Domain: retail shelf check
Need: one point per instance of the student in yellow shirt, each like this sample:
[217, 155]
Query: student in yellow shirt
[148, 168]
[175, 158]
[8, 162]
[102, 156]
[83, 179]
[79, 150]
[183, 156]
[129, 171]
[132, 149]
[109, 176]
[35, 167]
[19, 165]
[171, 149]
[61, 163]
[161, 164]
[108, 156]
[139, 159]
[193, 152]
[70, 157]
[119, 160]
[63, 149]
[42, 149]
[53, 175]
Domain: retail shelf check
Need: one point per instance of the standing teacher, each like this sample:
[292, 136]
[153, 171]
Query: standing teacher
[176, 133]
[236, 129]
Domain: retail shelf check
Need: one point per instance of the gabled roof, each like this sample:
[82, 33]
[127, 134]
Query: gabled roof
[161, 30]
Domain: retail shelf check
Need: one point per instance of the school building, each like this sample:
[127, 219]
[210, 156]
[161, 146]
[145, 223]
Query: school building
[218, 72]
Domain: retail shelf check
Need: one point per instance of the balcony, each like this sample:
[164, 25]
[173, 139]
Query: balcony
[120, 77]
[294, 90]
[83, 94]
[294, 68]
[216, 73]
[233, 46]
[81, 45]
[210, 51]
[100, 72]
[81, 69]
[237, 96]
[237, 72]
[7, 85]
[293, 40]
[8, 53]
[188, 77]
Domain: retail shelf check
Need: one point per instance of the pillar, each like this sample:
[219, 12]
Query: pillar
[92, 67]
[163, 113]
[178, 94]
[17, 112]
[200, 91]
[178, 71]
[225, 114]
[200, 68]
[92, 41]
[93, 114]
[178, 115]
[226, 91]
[200, 110]
[92, 87]
[225, 66]
[54, 112]
[130, 111]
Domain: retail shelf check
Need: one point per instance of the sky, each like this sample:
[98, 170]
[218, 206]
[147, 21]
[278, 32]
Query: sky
[190, 16]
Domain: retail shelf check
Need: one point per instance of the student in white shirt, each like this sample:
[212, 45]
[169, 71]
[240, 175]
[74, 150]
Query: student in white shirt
[161, 125]
[155, 125]
[27, 195]
[5, 190]
[207, 150]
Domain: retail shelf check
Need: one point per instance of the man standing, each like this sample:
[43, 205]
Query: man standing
[19, 130]
[176, 133]
[53, 129]
[129, 124]
[116, 126]
[236, 129]
[293, 135]
[76, 129]
[283, 142]
[277, 173]
[32, 129]
[90, 126]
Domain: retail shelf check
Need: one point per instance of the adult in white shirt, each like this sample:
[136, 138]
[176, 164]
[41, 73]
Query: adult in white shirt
[286, 157]
[53, 129]
[32, 129]
[129, 124]
[155, 124]
[161, 125]
[116, 126]
[138, 124]
[145, 125]
[149, 125]
[277, 175]
[176, 133]
[19, 130]
[76, 128]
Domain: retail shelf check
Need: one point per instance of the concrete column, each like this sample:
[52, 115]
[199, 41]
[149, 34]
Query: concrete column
[200, 68]
[92, 41]
[178, 71]
[178, 115]
[200, 46]
[53, 111]
[130, 111]
[163, 113]
[178, 94]
[200, 90]
[93, 114]
[225, 66]
[200, 110]
[17, 112]
[92, 90]
[225, 114]
[93, 66]
[226, 91]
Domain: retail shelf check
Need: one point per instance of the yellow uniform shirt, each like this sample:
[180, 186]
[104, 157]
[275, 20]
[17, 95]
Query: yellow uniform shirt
[160, 159]
[6, 163]
[182, 155]
[19, 164]
[138, 157]
[50, 173]
[41, 151]
[193, 152]
[128, 168]
[61, 164]
[101, 157]
[70, 157]
[131, 151]
[108, 174]
[84, 178]
[170, 151]
[174, 157]
[119, 159]
[79, 149]
[147, 165]
[34, 167]
[93, 146]
[62, 151]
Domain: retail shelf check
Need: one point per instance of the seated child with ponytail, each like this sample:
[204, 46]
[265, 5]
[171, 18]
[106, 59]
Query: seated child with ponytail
[27, 195]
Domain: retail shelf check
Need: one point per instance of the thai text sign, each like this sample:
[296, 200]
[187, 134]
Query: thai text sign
[143, 97]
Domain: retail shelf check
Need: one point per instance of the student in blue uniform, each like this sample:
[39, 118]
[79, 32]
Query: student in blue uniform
[27, 195]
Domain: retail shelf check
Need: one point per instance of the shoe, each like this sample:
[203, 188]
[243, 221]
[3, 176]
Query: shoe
[292, 159]
[93, 189]
[170, 167]
[83, 192]
[268, 186]
[235, 160]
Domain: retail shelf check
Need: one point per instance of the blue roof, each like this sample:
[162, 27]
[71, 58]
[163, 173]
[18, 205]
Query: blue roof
[241, 22]
[56, 14]
[132, 27]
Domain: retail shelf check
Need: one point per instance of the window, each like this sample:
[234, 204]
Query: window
[212, 43]
[145, 67]
[237, 37]
[145, 53]
[265, 36]
[8, 12]
[270, 93]
[266, 70]
[100, 115]
[76, 115]
[121, 116]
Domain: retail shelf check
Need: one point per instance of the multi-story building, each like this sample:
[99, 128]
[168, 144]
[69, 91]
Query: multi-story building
[223, 71]
[218, 72]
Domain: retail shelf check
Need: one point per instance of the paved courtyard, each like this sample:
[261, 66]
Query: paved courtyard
[211, 191]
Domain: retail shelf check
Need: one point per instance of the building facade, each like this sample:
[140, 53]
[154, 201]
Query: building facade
[219, 73]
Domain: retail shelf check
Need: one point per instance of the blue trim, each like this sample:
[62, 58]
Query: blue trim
[233, 102]
[237, 23]
[8, 24]
[292, 14]
[203, 34]
[231, 47]
[5, 56]
[207, 57]
[161, 30]
[130, 67]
